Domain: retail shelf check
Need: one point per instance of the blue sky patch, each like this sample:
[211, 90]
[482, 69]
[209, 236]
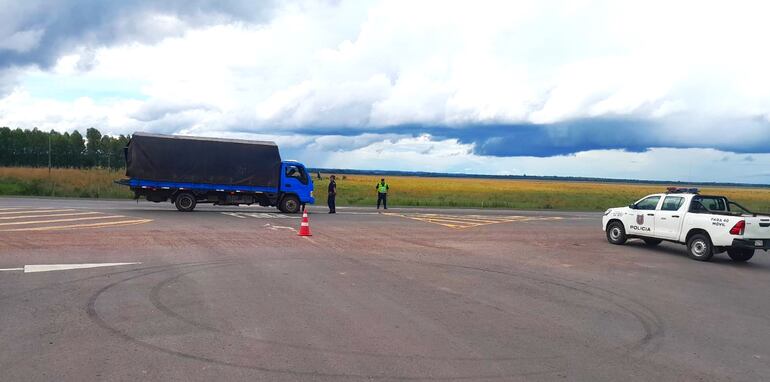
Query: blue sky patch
[69, 88]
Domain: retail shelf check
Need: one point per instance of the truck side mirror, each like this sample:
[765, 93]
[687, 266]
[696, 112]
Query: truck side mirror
[632, 206]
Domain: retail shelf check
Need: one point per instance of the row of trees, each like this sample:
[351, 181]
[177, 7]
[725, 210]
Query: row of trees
[31, 148]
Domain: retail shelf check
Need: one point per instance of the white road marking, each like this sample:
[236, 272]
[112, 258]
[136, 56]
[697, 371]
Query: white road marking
[63, 267]
[46, 216]
[62, 220]
[258, 215]
[277, 227]
[26, 211]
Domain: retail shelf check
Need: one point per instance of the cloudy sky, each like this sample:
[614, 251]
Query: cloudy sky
[671, 90]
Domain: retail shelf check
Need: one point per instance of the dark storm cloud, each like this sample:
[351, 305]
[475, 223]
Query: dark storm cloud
[37, 32]
[564, 138]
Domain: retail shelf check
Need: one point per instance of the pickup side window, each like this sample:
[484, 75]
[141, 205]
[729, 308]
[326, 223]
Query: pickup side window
[708, 203]
[672, 203]
[297, 173]
[648, 203]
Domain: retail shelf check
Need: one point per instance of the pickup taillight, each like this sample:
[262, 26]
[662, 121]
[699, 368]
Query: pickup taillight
[738, 228]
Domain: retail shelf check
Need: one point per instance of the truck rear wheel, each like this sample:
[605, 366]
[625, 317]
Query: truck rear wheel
[700, 248]
[740, 254]
[616, 233]
[185, 202]
[289, 204]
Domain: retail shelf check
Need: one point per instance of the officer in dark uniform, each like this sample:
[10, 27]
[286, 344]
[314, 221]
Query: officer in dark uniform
[332, 195]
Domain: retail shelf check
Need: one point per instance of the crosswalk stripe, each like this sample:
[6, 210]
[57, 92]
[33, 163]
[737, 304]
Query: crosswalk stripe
[234, 214]
[27, 211]
[47, 215]
[74, 226]
[259, 215]
[61, 220]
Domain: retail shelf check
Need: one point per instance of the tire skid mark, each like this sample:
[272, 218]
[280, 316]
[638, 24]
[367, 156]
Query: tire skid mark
[98, 320]
[651, 323]
[156, 301]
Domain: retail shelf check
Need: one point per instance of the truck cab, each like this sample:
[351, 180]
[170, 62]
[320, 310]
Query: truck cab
[295, 182]
[707, 224]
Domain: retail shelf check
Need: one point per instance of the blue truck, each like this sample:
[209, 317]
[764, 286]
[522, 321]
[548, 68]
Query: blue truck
[190, 170]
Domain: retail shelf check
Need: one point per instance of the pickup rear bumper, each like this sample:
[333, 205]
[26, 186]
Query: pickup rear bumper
[752, 244]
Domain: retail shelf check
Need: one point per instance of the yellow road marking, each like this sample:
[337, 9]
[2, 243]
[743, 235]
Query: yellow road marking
[444, 222]
[459, 219]
[453, 222]
[63, 220]
[470, 221]
[46, 216]
[33, 211]
[478, 217]
[76, 226]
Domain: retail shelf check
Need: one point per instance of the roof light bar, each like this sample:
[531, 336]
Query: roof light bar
[682, 190]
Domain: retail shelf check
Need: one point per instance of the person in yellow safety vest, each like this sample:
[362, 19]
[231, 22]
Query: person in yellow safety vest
[382, 194]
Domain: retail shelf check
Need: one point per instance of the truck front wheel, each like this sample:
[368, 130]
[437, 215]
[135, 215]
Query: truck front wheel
[740, 254]
[185, 202]
[289, 204]
[616, 233]
[700, 248]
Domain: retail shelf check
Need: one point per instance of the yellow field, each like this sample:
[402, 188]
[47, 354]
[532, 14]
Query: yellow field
[404, 191]
[519, 194]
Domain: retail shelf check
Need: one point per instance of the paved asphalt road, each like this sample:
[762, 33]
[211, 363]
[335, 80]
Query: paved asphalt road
[232, 293]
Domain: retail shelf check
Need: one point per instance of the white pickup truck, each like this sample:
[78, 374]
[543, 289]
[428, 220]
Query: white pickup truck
[706, 224]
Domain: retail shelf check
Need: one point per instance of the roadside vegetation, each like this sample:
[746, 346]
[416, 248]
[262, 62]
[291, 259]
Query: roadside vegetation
[405, 191]
[79, 183]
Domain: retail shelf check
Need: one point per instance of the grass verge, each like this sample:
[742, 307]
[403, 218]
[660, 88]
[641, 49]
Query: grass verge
[359, 190]
[65, 182]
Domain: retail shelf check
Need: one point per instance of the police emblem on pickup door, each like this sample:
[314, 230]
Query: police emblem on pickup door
[640, 219]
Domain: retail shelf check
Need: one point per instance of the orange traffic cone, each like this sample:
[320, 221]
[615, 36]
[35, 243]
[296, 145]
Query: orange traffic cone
[304, 228]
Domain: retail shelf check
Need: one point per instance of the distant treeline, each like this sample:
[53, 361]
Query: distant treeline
[30, 148]
[422, 174]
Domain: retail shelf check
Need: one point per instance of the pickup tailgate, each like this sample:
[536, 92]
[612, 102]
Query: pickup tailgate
[757, 228]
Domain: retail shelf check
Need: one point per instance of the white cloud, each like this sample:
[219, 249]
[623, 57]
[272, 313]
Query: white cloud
[359, 64]
[369, 65]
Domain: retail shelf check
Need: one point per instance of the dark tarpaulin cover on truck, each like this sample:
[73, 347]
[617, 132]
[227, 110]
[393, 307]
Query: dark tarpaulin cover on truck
[180, 159]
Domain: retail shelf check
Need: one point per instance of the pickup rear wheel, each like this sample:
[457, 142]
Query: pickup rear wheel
[185, 202]
[289, 204]
[616, 233]
[740, 254]
[700, 248]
